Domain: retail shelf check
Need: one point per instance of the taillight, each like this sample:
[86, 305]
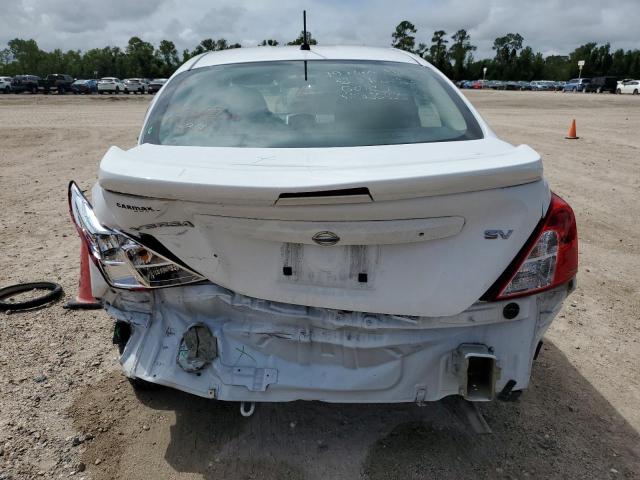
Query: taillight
[123, 260]
[549, 259]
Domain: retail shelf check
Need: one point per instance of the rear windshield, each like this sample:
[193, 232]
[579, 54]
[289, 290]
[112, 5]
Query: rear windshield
[297, 104]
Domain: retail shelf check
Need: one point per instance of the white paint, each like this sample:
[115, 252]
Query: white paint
[236, 176]
[273, 352]
[630, 86]
[442, 276]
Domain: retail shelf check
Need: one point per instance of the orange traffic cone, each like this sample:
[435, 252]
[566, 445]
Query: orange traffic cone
[572, 131]
[84, 300]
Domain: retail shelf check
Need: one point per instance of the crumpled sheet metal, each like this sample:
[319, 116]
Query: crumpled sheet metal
[267, 351]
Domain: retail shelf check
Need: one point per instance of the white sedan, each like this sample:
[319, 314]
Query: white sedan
[338, 224]
[110, 85]
[629, 86]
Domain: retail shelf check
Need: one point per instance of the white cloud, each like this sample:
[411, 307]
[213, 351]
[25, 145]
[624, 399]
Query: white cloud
[550, 26]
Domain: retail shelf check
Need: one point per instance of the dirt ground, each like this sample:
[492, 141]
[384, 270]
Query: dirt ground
[65, 409]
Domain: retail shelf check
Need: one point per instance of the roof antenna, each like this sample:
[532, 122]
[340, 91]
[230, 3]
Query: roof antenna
[305, 45]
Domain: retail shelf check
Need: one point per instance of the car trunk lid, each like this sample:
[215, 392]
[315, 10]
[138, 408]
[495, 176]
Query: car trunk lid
[393, 229]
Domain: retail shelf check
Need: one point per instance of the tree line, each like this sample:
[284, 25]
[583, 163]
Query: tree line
[453, 54]
[513, 60]
[137, 59]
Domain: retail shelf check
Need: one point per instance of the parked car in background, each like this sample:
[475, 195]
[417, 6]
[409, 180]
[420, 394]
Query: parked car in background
[602, 84]
[576, 85]
[462, 83]
[478, 84]
[5, 84]
[55, 82]
[156, 84]
[559, 85]
[524, 85]
[110, 85]
[494, 85]
[420, 260]
[543, 85]
[84, 86]
[134, 85]
[629, 86]
[25, 83]
[510, 85]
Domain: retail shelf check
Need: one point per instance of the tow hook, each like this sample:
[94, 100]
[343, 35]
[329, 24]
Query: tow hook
[247, 412]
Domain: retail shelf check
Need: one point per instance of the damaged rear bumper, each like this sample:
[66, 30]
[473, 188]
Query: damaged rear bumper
[261, 351]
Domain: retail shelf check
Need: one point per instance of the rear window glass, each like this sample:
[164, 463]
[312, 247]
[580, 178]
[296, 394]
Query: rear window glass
[296, 104]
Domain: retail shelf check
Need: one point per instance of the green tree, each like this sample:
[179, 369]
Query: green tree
[186, 55]
[5, 56]
[268, 43]
[556, 67]
[524, 65]
[26, 54]
[438, 51]
[584, 52]
[422, 50]
[167, 58]
[537, 67]
[206, 45]
[461, 52]
[300, 39]
[73, 64]
[403, 38]
[507, 48]
[211, 45]
[619, 64]
[140, 57]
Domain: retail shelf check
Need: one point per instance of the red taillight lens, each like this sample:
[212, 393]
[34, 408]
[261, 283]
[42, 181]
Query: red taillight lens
[549, 259]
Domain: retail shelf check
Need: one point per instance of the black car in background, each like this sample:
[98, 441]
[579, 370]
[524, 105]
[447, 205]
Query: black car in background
[510, 85]
[602, 84]
[156, 84]
[25, 83]
[57, 82]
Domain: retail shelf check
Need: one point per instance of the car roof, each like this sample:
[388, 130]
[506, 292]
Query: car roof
[266, 54]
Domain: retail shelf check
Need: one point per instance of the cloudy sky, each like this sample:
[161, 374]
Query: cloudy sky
[549, 26]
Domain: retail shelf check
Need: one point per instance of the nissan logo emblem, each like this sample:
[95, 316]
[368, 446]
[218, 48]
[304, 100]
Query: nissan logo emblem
[325, 239]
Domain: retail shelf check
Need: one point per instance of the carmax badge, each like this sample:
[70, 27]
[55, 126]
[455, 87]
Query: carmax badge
[325, 239]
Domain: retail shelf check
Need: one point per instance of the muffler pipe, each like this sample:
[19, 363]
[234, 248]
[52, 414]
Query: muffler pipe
[477, 372]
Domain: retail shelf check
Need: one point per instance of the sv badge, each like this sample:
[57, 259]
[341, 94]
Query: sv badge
[495, 234]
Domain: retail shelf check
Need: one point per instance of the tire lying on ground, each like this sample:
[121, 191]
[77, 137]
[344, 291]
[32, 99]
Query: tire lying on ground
[53, 293]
